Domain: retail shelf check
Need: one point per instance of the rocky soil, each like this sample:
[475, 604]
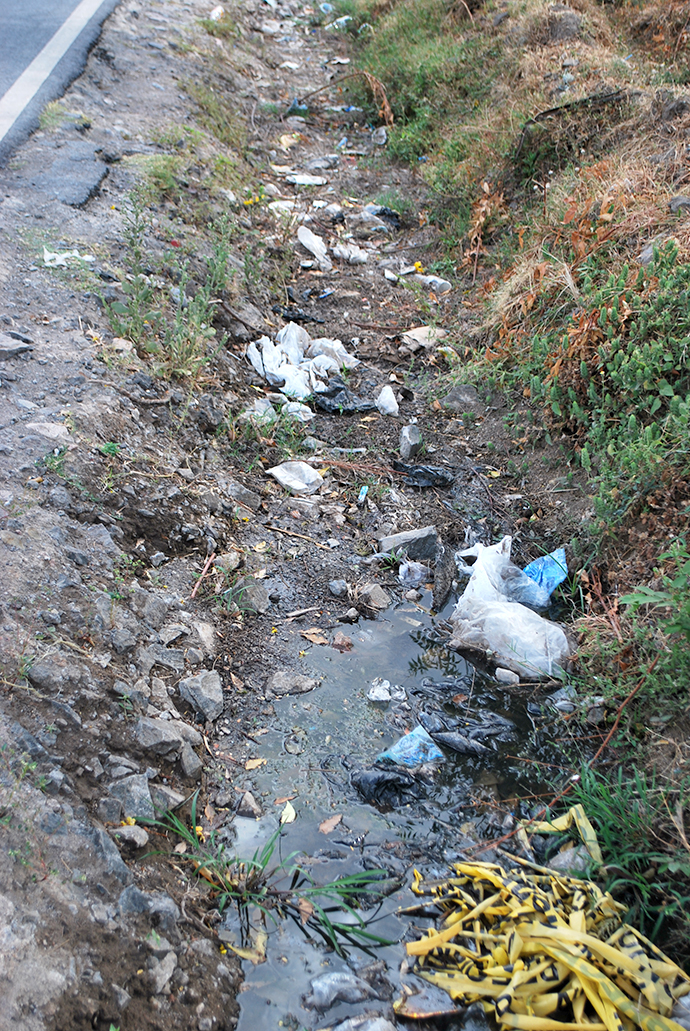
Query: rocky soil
[123, 692]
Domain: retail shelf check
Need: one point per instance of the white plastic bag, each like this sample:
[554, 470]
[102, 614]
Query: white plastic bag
[297, 477]
[503, 575]
[486, 619]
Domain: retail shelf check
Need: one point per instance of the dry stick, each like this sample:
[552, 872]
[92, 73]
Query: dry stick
[621, 707]
[204, 571]
[302, 537]
[468, 10]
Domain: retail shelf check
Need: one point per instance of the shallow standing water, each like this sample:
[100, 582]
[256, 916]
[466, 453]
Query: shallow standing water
[313, 746]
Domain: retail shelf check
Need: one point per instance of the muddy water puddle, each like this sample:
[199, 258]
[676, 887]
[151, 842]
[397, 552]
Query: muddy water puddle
[316, 748]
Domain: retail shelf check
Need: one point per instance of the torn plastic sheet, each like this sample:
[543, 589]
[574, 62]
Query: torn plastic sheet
[549, 571]
[485, 618]
[425, 475]
[297, 477]
[387, 787]
[413, 749]
[514, 583]
[296, 364]
[55, 259]
[315, 245]
[337, 399]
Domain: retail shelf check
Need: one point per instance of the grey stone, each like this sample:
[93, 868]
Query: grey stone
[194, 656]
[410, 442]
[51, 617]
[60, 498]
[574, 860]
[122, 998]
[102, 540]
[157, 655]
[163, 910]
[100, 913]
[228, 562]
[461, 397]
[158, 558]
[646, 256]
[162, 737]
[10, 348]
[165, 799]
[173, 632]
[133, 902]
[254, 598]
[283, 682]
[338, 588]
[161, 972]
[25, 741]
[152, 608]
[677, 204]
[74, 177]
[133, 792]
[374, 597]
[190, 761]
[110, 810]
[249, 806]
[123, 641]
[106, 849]
[420, 545]
[243, 496]
[49, 676]
[204, 692]
[189, 734]
[131, 837]
[79, 558]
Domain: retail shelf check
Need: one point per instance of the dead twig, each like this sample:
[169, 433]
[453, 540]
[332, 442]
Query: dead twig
[204, 571]
[303, 537]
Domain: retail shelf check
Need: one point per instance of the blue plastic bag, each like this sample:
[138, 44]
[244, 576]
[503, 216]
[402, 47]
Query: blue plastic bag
[413, 749]
[549, 571]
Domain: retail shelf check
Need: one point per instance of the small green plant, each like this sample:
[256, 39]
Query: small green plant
[639, 825]
[55, 461]
[137, 317]
[673, 597]
[110, 449]
[277, 888]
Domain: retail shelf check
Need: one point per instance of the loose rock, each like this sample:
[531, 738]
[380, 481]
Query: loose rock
[204, 692]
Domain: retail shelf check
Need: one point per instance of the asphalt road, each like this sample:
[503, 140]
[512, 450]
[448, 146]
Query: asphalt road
[43, 47]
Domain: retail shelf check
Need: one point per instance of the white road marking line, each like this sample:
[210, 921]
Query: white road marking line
[22, 92]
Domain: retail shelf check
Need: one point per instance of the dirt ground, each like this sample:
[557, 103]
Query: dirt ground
[102, 547]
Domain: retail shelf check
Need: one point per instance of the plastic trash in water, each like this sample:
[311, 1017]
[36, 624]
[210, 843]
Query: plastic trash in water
[412, 573]
[386, 403]
[491, 616]
[413, 749]
[549, 571]
[297, 477]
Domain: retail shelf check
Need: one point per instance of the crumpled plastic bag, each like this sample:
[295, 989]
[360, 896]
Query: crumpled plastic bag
[533, 588]
[413, 749]
[296, 364]
[487, 617]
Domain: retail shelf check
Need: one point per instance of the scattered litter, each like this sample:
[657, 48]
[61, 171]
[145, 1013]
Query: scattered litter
[413, 749]
[549, 571]
[217, 13]
[512, 582]
[303, 179]
[338, 399]
[412, 573]
[390, 276]
[485, 619]
[384, 212]
[291, 66]
[382, 691]
[362, 496]
[297, 477]
[386, 403]
[55, 259]
[297, 110]
[336, 986]
[435, 283]
[293, 314]
[315, 245]
[379, 137]
[339, 23]
[350, 253]
[297, 364]
[425, 475]
[260, 411]
[553, 943]
[298, 411]
[387, 787]
[423, 337]
[270, 27]
[326, 8]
